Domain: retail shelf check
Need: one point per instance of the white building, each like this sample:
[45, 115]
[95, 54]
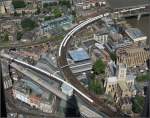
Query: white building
[2, 8]
[122, 71]
[101, 38]
[7, 83]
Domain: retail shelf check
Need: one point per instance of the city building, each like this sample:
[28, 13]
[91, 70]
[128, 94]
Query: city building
[62, 22]
[8, 26]
[123, 80]
[79, 55]
[7, 82]
[28, 37]
[136, 35]
[121, 87]
[87, 4]
[117, 38]
[26, 10]
[99, 51]
[35, 34]
[79, 60]
[87, 8]
[133, 56]
[122, 4]
[2, 7]
[8, 6]
[101, 37]
[33, 95]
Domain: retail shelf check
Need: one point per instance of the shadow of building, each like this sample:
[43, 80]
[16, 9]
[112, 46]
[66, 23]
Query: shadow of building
[72, 109]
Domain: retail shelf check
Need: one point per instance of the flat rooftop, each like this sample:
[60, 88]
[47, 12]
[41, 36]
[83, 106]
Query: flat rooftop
[79, 55]
[119, 4]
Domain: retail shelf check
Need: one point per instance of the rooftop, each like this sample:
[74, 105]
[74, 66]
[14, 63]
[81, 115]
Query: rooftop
[79, 54]
[112, 79]
[131, 77]
[89, 43]
[121, 65]
[66, 89]
[135, 34]
[58, 21]
[119, 4]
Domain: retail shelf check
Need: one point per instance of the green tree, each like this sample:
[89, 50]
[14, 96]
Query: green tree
[144, 77]
[38, 10]
[65, 3]
[74, 13]
[18, 4]
[6, 37]
[19, 35]
[28, 24]
[47, 18]
[57, 13]
[138, 104]
[96, 86]
[99, 67]
[45, 5]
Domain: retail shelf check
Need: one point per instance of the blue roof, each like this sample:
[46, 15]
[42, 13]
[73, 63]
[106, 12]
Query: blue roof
[79, 54]
[134, 32]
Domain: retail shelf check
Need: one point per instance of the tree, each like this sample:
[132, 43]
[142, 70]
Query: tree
[50, 98]
[6, 37]
[96, 86]
[19, 35]
[65, 3]
[28, 24]
[99, 67]
[57, 13]
[38, 10]
[48, 5]
[45, 5]
[18, 4]
[144, 77]
[137, 104]
[48, 18]
[74, 13]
